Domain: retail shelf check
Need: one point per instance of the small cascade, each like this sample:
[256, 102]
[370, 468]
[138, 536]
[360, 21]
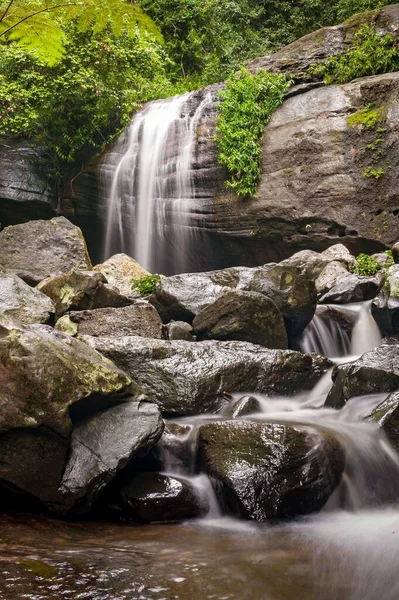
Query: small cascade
[151, 188]
[366, 334]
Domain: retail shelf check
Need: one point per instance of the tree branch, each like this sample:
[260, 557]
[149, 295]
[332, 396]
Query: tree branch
[6, 10]
[34, 14]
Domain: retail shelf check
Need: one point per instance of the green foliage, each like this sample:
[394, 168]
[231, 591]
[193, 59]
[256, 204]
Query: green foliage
[370, 54]
[38, 24]
[375, 173]
[366, 265]
[246, 105]
[145, 285]
[347, 8]
[367, 117]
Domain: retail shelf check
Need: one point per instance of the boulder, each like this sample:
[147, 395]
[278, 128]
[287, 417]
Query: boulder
[293, 293]
[329, 276]
[385, 307]
[381, 258]
[268, 471]
[152, 497]
[38, 249]
[44, 372]
[137, 319]
[247, 405]
[373, 373]
[395, 252]
[179, 330]
[102, 445]
[120, 270]
[386, 415]
[353, 288]
[243, 316]
[339, 252]
[188, 379]
[81, 290]
[307, 261]
[22, 303]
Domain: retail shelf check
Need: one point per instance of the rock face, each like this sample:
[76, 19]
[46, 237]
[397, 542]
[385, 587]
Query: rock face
[386, 415]
[81, 290]
[385, 307]
[374, 372]
[137, 319]
[243, 316]
[186, 379]
[103, 444]
[153, 497]
[22, 303]
[265, 471]
[292, 292]
[43, 373]
[120, 270]
[37, 249]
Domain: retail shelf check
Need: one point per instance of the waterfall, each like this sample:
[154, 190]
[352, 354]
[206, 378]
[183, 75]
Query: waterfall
[151, 189]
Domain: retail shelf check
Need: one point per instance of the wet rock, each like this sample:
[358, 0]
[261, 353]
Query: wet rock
[137, 319]
[353, 288]
[179, 330]
[329, 276]
[22, 303]
[152, 497]
[81, 290]
[120, 270]
[102, 445]
[385, 307]
[373, 373]
[187, 379]
[395, 252]
[247, 405]
[386, 415]
[265, 471]
[38, 249]
[44, 372]
[340, 253]
[184, 296]
[307, 261]
[173, 448]
[243, 316]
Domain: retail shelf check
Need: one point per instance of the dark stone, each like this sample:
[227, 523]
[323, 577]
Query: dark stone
[373, 373]
[81, 290]
[353, 288]
[243, 316]
[37, 249]
[173, 448]
[104, 444]
[265, 471]
[44, 372]
[386, 415]
[185, 378]
[385, 307]
[22, 303]
[138, 319]
[395, 252]
[247, 405]
[152, 497]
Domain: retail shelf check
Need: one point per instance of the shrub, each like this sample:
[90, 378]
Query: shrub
[246, 105]
[145, 285]
[366, 265]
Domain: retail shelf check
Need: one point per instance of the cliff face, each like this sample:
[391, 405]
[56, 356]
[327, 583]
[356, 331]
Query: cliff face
[326, 177]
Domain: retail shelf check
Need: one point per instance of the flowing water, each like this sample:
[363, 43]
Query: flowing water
[151, 190]
[349, 551]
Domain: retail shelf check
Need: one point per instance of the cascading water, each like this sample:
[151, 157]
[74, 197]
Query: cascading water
[150, 192]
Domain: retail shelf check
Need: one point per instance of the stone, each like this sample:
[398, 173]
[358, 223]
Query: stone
[38, 249]
[373, 373]
[120, 270]
[243, 316]
[381, 258]
[395, 252]
[307, 261]
[339, 252]
[20, 302]
[137, 319]
[153, 497]
[329, 276]
[81, 290]
[386, 414]
[353, 288]
[188, 379]
[174, 447]
[43, 373]
[385, 307]
[269, 471]
[247, 405]
[102, 445]
[179, 330]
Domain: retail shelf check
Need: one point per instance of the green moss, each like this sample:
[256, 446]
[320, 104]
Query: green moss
[372, 173]
[40, 568]
[66, 294]
[367, 117]
[366, 266]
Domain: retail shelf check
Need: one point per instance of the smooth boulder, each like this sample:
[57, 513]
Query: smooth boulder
[23, 303]
[120, 270]
[139, 319]
[243, 316]
[180, 330]
[38, 249]
[187, 379]
[353, 288]
[268, 471]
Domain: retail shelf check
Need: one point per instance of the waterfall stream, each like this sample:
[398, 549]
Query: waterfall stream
[151, 189]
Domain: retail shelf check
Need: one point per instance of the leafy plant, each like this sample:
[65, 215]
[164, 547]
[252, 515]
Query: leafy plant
[370, 54]
[366, 265]
[375, 173]
[246, 105]
[145, 285]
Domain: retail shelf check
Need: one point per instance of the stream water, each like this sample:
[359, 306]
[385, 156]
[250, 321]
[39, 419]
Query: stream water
[349, 551]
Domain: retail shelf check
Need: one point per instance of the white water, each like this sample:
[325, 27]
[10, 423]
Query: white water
[151, 189]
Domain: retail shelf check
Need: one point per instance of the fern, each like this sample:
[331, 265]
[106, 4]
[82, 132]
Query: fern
[37, 24]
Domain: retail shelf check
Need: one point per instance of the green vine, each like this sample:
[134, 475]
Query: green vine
[246, 105]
